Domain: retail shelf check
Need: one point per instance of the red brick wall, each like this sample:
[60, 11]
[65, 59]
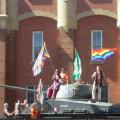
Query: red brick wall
[10, 67]
[19, 59]
[86, 5]
[110, 40]
[82, 43]
[44, 5]
[2, 67]
[24, 65]
[65, 51]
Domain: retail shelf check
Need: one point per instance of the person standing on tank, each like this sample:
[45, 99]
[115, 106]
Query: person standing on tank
[98, 78]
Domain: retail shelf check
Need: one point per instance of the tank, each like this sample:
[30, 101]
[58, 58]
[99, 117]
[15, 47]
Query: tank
[73, 100]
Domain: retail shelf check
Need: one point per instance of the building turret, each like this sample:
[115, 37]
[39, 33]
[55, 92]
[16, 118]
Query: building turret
[3, 16]
[66, 14]
[66, 23]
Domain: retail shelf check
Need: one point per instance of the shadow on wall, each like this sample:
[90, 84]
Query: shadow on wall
[83, 5]
[2, 35]
[101, 1]
[62, 56]
[41, 2]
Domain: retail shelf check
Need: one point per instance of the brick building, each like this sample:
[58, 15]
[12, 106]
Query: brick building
[63, 25]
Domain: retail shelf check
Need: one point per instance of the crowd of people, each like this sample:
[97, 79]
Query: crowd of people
[59, 77]
[98, 78]
[19, 108]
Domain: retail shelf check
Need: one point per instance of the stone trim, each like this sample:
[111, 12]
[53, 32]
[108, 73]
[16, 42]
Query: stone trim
[36, 13]
[3, 21]
[118, 13]
[97, 12]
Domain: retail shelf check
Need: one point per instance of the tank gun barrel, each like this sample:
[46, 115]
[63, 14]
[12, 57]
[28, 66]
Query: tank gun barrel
[15, 87]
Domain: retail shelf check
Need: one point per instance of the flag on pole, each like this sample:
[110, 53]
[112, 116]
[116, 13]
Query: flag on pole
[40, 91]
[39, 63]
[77, 67]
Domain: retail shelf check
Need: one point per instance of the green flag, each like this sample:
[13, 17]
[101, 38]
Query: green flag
[77, 67]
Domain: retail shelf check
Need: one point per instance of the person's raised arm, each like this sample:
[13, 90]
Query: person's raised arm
[93, 75]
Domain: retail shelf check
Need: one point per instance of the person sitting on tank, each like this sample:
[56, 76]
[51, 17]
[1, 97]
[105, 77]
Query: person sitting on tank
[64, 76]
[7, 114]
[54, 88]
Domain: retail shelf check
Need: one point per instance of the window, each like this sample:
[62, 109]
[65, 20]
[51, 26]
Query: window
[104, 94]
[37, 44]
[30, 96]
[96, 40]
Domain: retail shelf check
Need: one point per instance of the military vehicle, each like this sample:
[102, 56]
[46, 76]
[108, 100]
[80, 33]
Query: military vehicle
[74, 99]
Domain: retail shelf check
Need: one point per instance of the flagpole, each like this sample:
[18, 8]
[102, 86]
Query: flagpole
[50, 57]
[51, 64]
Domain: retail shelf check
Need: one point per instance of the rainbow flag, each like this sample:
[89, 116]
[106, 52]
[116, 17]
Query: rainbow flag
[102, 54]
[39, 63]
